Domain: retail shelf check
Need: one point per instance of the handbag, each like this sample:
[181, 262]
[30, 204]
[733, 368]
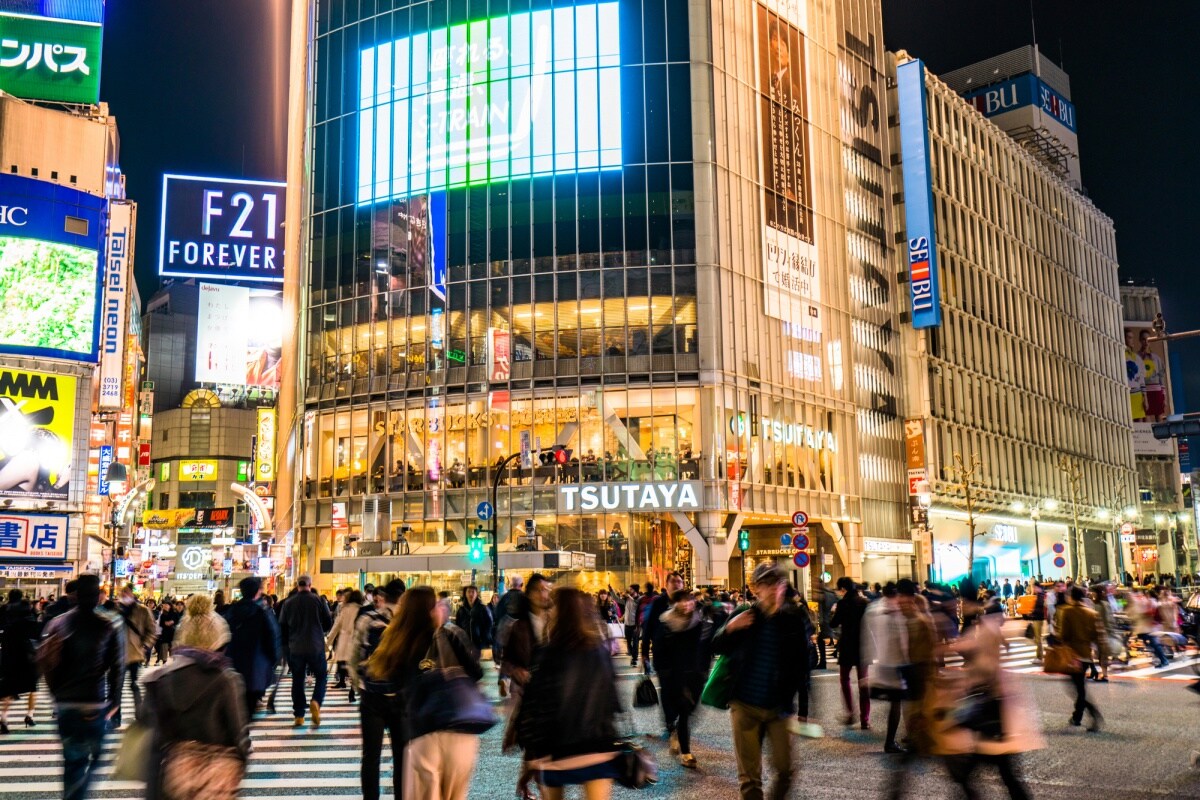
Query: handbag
[1061, 660]
[616, 634]
[718, 689]
[980, 711]
[444, 698]
[133, 759]
[636, 767]
[1029, 632]
[645, 695]
[198, 771]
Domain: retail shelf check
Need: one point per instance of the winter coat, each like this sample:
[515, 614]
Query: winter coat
[682, 662]
[168, 621]
[1076, 625]
[476, 621]
[18, 671]
[848, 617]
[303, 622]
[197, 697]
[92, 650]
[341, 635]
[140, 631]
[569, 706]
[792, 629]
[887, 644]
[254, 646]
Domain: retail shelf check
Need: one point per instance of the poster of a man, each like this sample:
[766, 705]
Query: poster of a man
[399, 254]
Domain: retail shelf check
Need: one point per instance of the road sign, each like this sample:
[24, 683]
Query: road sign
[800, 560]
[485, 511]
[1058, 547]
[785, 539]
[1128, 538]
[827, 558]
[1128, 529]
[800, 519]
[800, 541]
[1060, 562]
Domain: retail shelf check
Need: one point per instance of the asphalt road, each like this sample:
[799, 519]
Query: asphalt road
[1143, 752]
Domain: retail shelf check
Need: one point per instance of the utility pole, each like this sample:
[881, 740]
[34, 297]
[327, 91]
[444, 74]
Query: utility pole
[495, 548]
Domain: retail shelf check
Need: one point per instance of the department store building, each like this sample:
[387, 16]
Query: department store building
[656, 235]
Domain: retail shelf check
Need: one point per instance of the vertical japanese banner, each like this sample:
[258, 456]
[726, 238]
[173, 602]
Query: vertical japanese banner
[499, 356]
[264, 449]
[115, 305]
[790, 262]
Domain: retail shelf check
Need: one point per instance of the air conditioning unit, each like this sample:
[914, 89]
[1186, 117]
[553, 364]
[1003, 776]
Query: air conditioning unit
[376, 518]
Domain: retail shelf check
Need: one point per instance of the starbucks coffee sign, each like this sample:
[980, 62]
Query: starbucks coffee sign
[629, 497]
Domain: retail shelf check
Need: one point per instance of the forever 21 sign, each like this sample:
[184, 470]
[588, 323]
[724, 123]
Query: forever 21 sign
[629, 497]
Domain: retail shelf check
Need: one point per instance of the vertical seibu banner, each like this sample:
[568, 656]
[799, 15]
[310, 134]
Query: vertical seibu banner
[924, 292]
[114, 310]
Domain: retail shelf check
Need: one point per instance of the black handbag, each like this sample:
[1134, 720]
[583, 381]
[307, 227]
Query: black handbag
[645, 695]
[444, 698]
[637, 767]
[980, 712]
[1029, 633]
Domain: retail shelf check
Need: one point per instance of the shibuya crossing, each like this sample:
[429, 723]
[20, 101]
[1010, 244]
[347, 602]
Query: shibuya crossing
[552, 235]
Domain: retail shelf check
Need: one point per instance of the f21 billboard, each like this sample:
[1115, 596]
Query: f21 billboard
[51, 238]
[221, 228]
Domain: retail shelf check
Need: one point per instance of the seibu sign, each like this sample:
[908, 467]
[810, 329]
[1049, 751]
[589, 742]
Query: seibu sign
[632, 497]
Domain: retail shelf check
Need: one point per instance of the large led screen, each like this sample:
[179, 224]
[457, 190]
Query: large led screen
[535, 93]
[50, 238]
[239, 336]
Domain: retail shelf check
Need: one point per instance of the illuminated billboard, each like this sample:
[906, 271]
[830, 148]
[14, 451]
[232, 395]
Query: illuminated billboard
[239, 336]
[37, 431]
[50, 242]
[221, 228]
[506, 97]
[923, 280]
[50, 49]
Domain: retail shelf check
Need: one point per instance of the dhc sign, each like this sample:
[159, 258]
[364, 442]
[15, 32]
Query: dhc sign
[924, 294]
[629, 497]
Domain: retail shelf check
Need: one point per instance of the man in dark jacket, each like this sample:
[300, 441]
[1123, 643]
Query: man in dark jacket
[303, 623]
[826, 600]
[848, 617]
[254, 646]
[62, 605]
[510, 608]
[769, 642]
[382, 706]
[652, 625]
[82, 654]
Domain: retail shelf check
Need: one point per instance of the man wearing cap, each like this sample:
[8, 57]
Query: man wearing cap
[769, 643]
[303, 623]
[382, 705]
[254, 641]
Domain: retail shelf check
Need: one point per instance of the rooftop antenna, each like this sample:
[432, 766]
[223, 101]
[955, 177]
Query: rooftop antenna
[1032, 23]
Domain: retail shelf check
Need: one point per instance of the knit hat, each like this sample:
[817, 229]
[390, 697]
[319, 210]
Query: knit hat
[201, 627]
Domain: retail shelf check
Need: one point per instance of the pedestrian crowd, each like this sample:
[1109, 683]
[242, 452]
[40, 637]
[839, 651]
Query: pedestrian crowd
[412, 659]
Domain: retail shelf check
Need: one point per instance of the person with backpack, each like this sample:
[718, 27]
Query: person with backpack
[254, 646]
[81, 655]
[651, 623]
[382, 706]
[140, 631]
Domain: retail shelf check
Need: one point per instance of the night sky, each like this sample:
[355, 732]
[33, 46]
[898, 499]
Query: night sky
[196, 86]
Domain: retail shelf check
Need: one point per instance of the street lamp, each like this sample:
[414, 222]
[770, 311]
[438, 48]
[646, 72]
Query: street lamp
[120, 514]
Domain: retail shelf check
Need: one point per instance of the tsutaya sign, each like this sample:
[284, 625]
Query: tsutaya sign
[652, 496]
[783, 432]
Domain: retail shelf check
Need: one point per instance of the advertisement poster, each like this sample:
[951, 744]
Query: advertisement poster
[499, 355]
[168, 518]
[50, 242]
[399, 253]
[114, 305]
[239, 336]
[1149, 389]
[37, 430]
[264, 447]
[48, 58]
[790, 263]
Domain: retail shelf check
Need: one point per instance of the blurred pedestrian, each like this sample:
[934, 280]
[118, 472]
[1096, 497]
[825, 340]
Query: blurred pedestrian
[438, 763]
[1077, 628]
[890, 659]
[302, 624]
[382, 706]
[566, 720]
[989, 719]
[196, 710]
[652, 613]
[848, 618]
[767, 641]
[511, 608]
[1106, 628]
[1038, 620]
[81, 655]
[341, 637]
[681, 663]
[826, 601]
[918, 675]
[524, 646]
[18, 671]
[254, 646]
[140, 631]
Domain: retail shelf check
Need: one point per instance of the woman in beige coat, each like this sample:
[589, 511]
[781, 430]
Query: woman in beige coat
[341, 639]
[982, 716]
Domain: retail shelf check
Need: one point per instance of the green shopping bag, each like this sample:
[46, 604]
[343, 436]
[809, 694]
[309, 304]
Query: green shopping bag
[719, 688]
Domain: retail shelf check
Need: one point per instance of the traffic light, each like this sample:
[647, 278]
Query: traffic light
[475, 547]
[556, 455]
[743, 540]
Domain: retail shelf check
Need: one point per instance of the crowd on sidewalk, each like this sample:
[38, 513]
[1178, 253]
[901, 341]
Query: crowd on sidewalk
[412, 658]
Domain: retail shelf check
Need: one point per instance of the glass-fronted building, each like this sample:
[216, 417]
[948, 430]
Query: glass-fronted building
[652, 233]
